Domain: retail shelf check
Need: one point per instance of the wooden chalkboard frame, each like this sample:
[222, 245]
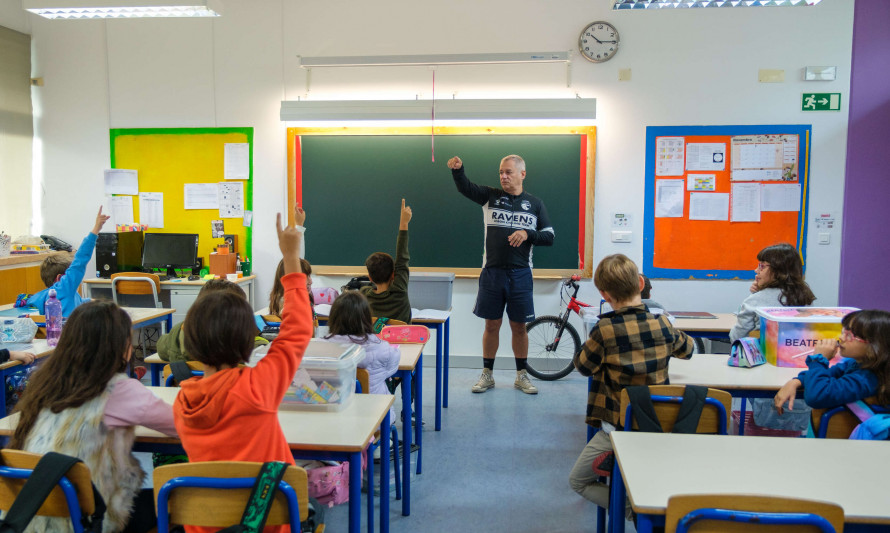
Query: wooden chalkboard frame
[586, 186]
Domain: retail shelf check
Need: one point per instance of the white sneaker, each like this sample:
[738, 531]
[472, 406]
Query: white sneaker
[486, 381]
[522, 383]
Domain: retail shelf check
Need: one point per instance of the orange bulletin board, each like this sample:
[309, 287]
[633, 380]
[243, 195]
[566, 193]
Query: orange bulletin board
[709, 228]
[168, 158]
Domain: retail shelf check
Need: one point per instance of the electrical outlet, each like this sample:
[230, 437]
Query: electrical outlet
[824, 238]
[621, 236]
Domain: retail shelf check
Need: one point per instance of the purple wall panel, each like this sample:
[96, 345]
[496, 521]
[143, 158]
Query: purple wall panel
[865, 246]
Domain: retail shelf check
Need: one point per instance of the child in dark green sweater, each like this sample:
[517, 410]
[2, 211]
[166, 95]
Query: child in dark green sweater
[389, 297]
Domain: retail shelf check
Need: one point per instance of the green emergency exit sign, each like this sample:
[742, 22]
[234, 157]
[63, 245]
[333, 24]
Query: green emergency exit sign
[820, 102]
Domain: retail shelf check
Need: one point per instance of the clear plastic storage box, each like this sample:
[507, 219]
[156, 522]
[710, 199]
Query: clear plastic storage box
[325, 380]
[788, 334]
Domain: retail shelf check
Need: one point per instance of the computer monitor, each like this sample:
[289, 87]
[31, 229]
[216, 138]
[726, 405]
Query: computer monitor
[170, 251]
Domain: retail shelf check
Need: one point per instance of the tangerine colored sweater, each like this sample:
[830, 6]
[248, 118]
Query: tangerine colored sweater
[233, 414]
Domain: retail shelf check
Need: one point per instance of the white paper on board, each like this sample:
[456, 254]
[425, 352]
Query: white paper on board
[231, 200]
[121, 210]
[669, 153]
[709, 206]
[121, 181]
[780, 197]
[248, 219]
[705, 156]
[151, 209]
[701, 182]
[669, 198]
[745, 202]
[237, 161]
[201, 196]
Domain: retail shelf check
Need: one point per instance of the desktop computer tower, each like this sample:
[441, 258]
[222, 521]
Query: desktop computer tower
[118, 252]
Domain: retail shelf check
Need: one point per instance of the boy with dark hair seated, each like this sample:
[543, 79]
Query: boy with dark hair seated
[628, 346]
[64, 275]
[389, 297]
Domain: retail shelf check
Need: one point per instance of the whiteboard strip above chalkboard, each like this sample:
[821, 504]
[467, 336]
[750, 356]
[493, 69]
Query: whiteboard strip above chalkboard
[486, 109]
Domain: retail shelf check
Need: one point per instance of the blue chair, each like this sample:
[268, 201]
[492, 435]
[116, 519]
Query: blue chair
[197, 369]
[839, 422]
[741, 512]
[666, 400]
[190, 494]
[73, 497]
[361, 385]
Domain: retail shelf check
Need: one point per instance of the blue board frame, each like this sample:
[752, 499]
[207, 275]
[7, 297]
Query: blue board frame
[806, 140]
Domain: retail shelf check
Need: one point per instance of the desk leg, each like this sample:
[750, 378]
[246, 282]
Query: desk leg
[418, 410]
[438, 377]
[742, 416]
[644, 523]
[3, 375]
[446, 339]
[617, 499]
[385, 436]
[355, 492]
[155, 370]
[406, 448]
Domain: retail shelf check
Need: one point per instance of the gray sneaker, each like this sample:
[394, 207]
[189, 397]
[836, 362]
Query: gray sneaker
[522, 383]
[486, 381]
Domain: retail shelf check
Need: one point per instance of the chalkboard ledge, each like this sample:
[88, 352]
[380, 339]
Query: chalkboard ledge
[465, 273]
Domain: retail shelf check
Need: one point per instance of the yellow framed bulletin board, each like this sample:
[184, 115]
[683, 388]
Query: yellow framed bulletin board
[166, 159]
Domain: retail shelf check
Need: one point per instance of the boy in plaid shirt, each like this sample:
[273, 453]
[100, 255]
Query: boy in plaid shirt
[628, 346]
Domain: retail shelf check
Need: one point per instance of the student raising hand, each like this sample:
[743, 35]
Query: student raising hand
[289, 239]
[100, 221]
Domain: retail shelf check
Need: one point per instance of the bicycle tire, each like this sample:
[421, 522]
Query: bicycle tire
[549, 364]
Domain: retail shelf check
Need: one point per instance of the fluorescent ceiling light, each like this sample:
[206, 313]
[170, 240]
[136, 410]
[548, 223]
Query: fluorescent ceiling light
[583, 109]
[99, 9]
[676, 4]
[434, 59]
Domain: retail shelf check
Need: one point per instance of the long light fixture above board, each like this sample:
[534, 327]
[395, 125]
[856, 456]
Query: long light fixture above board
[105, 9]
[680, 4]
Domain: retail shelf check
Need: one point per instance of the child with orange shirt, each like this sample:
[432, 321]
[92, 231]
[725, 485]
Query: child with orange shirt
[231, 413]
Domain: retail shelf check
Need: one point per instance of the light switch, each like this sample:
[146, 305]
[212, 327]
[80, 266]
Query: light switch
[621, 236]
[624, 74]
[824, 238]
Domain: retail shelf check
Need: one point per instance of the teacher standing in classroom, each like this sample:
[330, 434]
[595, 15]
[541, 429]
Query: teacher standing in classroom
[515, 222]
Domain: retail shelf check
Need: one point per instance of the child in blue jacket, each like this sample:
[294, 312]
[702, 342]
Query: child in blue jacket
[865, 342]
[60, 273]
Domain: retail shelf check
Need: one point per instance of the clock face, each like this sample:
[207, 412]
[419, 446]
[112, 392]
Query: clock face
[598, 42]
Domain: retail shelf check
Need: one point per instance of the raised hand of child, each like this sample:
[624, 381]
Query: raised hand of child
[26, 358]
[299, 216]
[100, 221]
[786, 394]
[827, 347]
[455, 163]
[289, 239]
[405, 216]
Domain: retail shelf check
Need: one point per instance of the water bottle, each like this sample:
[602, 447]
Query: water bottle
[53, 311]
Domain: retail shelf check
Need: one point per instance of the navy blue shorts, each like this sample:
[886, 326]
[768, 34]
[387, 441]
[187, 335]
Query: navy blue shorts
[511, 287]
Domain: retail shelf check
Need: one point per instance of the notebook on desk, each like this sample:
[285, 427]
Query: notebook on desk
[15, 312]
[691, 314]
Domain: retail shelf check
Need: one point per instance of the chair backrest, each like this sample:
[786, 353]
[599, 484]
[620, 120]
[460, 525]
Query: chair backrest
[364, 380]
[136, 283]
[55, 504]
[761, 509]
[390, 321]
[212, 507]
[839, 422]
[667, 411]
[196, 367]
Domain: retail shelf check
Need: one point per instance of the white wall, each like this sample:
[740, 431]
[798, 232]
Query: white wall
[689, 67]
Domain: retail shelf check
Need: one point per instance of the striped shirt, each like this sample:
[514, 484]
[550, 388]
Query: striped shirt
[629, 346]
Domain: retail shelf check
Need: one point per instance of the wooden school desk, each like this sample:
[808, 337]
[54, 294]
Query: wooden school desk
[442, 325]
[707, 328]
[139, 315]
[175, 292]
[656, 466]
[711, 370]
[325, 435]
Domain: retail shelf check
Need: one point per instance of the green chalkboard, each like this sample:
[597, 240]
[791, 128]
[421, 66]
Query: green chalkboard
[352, 187]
